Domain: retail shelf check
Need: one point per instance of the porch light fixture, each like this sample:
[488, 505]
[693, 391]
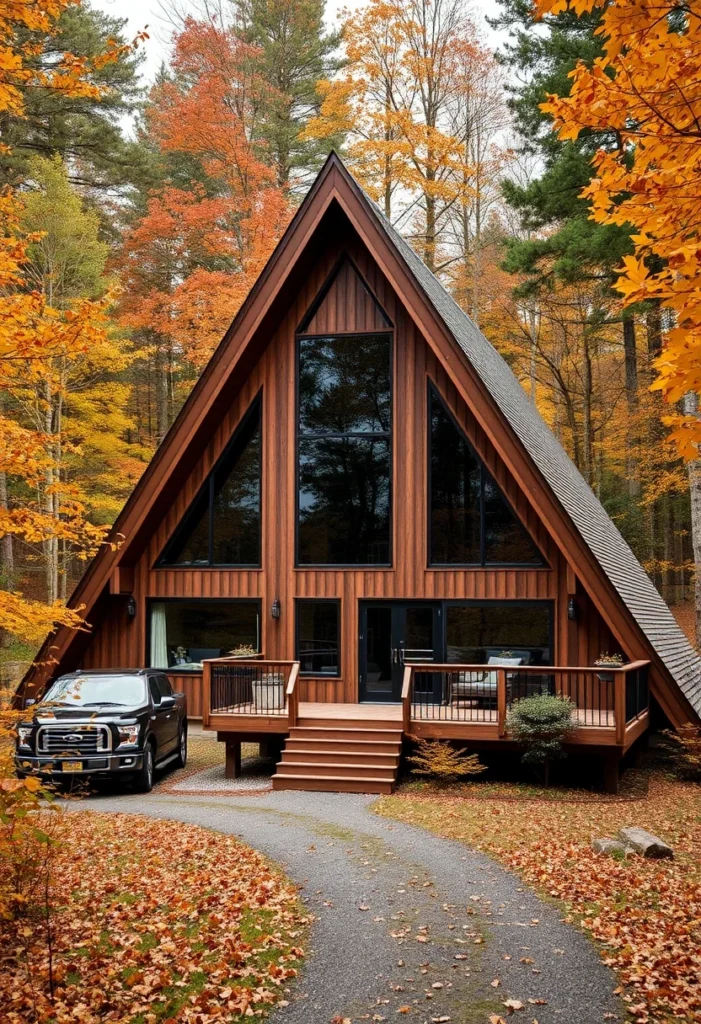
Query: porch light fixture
[275, 608]
[131, 606]
[571, 610]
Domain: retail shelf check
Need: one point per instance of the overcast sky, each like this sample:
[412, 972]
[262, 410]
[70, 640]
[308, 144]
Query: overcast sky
[143, 13]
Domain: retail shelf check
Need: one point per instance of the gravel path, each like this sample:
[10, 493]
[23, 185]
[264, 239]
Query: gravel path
[404, 918]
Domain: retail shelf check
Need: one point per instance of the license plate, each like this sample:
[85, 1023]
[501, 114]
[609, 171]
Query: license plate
[72, 766]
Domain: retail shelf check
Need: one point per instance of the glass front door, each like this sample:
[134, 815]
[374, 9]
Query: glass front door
[392, 633]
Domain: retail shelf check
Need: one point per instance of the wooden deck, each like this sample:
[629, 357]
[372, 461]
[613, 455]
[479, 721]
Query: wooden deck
[344, 747]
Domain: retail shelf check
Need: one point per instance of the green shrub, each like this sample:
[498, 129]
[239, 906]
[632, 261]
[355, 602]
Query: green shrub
[440, 760]
[541, 724]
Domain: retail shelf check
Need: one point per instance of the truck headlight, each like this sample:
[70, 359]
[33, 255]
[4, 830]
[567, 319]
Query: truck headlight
[23, 734]
[128, 735]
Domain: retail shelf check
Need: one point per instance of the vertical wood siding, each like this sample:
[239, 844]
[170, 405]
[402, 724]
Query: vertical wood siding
[345, 307]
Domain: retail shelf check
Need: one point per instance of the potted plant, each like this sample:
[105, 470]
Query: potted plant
[606, 660]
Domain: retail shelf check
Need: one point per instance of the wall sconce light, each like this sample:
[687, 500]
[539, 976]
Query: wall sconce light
[131, 606]
[275, 608]
[571, 610]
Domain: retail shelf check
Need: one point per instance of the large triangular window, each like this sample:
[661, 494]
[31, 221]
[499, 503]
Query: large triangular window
[222, 525]
[470, 520]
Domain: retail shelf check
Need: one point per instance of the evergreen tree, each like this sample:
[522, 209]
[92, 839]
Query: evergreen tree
[574, 247]
[293, 54]
[85, 131]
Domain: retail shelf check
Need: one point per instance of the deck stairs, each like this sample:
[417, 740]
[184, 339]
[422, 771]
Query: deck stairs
[342, 754]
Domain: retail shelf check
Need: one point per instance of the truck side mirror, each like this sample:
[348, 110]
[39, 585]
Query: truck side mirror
[29, 701]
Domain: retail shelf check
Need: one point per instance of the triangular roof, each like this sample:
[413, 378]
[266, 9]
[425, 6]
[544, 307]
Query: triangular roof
[589, 540]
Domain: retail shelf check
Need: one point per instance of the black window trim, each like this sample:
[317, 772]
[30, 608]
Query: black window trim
[433, 391]
[175, 670]
[318, 600]
[376, 435]
[208, 486]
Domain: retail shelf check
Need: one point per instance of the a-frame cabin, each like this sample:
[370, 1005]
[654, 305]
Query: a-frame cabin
[359, 489]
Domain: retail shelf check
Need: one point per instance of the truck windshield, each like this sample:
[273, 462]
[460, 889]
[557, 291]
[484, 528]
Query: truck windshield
[83, 690]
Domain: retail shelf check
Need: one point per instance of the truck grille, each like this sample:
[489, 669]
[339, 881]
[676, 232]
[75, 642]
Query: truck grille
[79, 739]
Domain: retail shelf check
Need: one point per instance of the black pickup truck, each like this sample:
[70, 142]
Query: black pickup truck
[104, 725]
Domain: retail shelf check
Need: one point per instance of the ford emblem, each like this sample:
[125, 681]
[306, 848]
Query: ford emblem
[73, 738]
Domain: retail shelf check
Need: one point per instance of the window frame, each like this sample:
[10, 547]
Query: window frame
[301, 336]
[431, 391]
[175, 669]
[208, 486]
[299, 601]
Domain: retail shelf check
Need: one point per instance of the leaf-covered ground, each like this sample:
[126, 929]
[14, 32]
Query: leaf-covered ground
[154, 921]
[646, 914]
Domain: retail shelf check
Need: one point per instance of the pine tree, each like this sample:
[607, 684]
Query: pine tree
[293, 52]
[83, 128]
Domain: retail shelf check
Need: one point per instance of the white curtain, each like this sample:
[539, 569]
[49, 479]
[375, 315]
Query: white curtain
[159, 644]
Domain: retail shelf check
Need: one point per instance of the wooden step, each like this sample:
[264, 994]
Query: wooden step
[343, 756]
[331, 783]
[353, 771]
[390, 724]
[346, 733]
[349, 746]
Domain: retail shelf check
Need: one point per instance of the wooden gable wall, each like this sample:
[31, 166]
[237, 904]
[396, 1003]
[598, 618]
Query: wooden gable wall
[346, 307]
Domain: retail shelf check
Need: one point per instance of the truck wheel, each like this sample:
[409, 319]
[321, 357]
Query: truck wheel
[181, 759]
[144, 780]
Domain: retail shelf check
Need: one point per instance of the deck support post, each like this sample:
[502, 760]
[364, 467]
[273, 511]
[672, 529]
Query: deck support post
[501, 701]
[233, 759]
[611, 772]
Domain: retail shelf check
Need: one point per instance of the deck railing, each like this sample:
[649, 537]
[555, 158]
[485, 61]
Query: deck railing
[480, 694]
[247, 686]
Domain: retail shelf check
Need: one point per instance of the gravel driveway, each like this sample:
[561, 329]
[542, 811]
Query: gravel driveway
[406, 922]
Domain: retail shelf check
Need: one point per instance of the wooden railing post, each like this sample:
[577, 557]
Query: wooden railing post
[406, 700]
[293, 696]
[619, 706]
[206, 693]
[501, 701]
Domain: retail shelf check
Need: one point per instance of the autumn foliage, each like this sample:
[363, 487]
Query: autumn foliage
[645, 92]
[169, 921]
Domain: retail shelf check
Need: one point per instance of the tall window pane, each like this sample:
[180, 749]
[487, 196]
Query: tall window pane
[222, 526]
[318, 637]
[470, 521]
[344, 450]
[505, 539]
[344, 385]
[236, 504]
[455, 492]
[344, 501]
[476, 633]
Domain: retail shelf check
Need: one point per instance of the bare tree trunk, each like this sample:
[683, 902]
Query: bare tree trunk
[631, 372]
[161, 368]
[586, 414]
[533, 332]
[7, 553]
[654, 330]
[430, 239]
[691, 408]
